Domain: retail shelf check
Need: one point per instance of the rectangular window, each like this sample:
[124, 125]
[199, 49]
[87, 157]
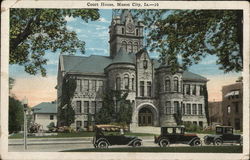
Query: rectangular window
[176, 106]
[149, 89]
[93, 107]
[79, 85]
[201, 124]
[236, 105]
[188, 89]
[133, 84]
[194, 109]
[93, 85]
[183, 109]
[99, 106]
[85, 124]
[168, 107]
[142, 88]
[167, 85]
[200, 112]
[201, 90]
[100, 86]
[86, 107]
[188, 108]
[78, 125]
[194, 90]
[86, 85]
[78, 107]
[51, 117]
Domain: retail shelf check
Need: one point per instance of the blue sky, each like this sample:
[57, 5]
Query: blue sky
[96, 36]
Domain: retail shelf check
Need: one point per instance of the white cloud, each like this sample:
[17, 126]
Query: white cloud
[103, 20]
[69, 19]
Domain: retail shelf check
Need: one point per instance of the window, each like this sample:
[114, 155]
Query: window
[137, 32]
[188, 108]
[200, 112]
[142, 88]
[188, 89]
[136, 46]
[123, 31]
[168, 107]
[194, 90]
[93, 107]
[236, 104]
[118, 83]
[78, 107]
[79, 84]
[85, 124]
[126, 82]
[149, 89]
[130, 47]
[94, 85]
[124, 45]
[228, 109]
[86, 107]
[201, 90]
[201, 124]
[78, 125]
[100, 86]
[86, 85]
[194, 109]
[176, 84]
[145, 64]
[133, 84]
[176, 107]
[167, 85]
[183, 109]
[51, 117]
[99, 106]
[195, 123]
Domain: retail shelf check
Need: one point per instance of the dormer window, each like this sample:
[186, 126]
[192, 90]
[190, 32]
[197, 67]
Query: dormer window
[145, 64]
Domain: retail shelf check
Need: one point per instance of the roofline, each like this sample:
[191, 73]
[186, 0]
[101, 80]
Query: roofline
[85, 74]
[119, 63]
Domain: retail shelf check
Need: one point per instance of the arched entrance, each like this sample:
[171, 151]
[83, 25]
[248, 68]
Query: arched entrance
[145, 117]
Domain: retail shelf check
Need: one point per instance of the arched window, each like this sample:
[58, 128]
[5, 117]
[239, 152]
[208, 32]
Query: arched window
[124, 45]
[130, 48]
[176, 84]
[136, 45]
[133, 82]
[167, 85]
[126, 82]
[123, 31]
[118, 83]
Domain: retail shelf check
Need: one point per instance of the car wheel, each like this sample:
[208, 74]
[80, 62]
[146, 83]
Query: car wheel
[218, 142]
[164, 143]
[103, 144]
[137, 144]
[197, 142]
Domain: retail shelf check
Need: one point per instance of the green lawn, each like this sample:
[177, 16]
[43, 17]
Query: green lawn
[78, 134]
[202, 149]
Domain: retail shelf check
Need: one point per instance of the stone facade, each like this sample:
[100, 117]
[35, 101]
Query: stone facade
[156, 93]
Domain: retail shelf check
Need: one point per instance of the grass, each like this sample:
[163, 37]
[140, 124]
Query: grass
[77, 134]
[202, 149]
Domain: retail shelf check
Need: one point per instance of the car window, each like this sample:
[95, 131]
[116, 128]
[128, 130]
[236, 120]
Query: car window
[229, 130]
[218, 130]
[178, 130]
[170, 130]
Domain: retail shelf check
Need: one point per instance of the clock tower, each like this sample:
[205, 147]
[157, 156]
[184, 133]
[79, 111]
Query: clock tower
[126, 32]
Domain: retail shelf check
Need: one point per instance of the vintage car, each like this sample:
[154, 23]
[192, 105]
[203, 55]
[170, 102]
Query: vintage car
[176, 135]
[224, 134]
[107, 135]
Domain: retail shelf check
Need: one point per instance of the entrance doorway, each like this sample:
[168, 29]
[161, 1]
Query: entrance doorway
[145, 117]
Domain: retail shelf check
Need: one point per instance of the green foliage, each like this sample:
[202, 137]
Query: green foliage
[15, 115]
[66, 113]
[11, 82]
[108, 114]
[193, 34]
[51, 126]
[189, 127]
[34, 31]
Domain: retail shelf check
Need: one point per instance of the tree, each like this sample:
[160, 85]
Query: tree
[193, 34]
[35, 31]
[15, 115]
[66, 113]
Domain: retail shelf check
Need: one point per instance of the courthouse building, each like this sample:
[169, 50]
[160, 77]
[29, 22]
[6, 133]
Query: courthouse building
[156, 93]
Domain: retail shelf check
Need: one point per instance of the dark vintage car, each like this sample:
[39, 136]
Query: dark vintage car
[176, 135]
[107, 135]
[224, 134]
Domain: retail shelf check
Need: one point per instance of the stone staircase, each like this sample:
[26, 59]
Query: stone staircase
[146, 129]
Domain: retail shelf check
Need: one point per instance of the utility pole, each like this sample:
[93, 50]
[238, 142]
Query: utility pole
[25, 107]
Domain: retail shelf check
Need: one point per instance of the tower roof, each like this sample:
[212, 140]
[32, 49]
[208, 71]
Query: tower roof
[123, 57]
